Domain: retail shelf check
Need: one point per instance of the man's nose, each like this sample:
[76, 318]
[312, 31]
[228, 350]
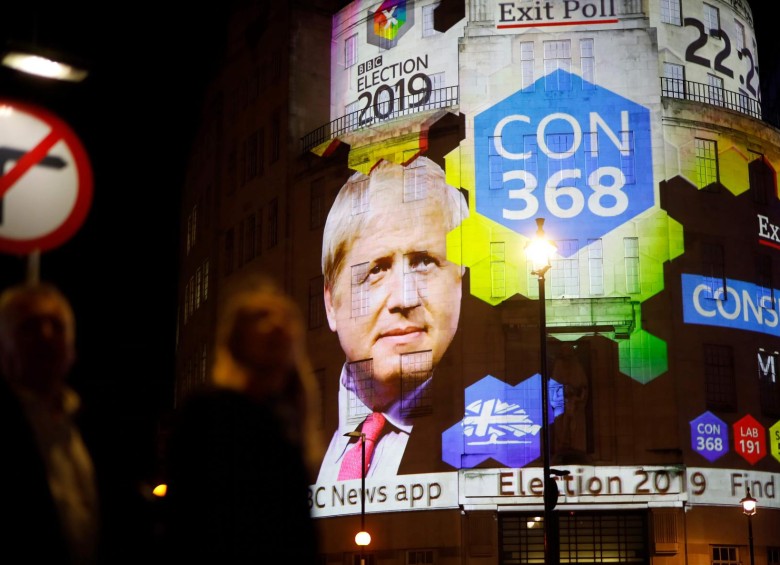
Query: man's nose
[403, 292]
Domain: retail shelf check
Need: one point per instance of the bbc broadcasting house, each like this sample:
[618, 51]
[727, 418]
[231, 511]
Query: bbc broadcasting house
[634, 129]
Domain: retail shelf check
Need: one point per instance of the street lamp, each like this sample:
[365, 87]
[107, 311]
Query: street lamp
[362, 538]
[749, 509]
[539, 251]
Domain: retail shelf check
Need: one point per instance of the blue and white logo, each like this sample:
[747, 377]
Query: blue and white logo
[709, 436]
[567, 150]
[501, 422]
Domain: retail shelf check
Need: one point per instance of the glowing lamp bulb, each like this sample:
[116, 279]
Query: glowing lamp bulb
[363, 538]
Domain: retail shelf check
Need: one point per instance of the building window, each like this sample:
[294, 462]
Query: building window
[438, 98]
[562, 146]
[627, 157]
[250, 238]
[631, 260]
[670, 12]
[186, 302]
[230, 185]
[719, 384]
[428, 13]
[768, 384]
[198, 284]
[497, 269]
[714, 90]
[527, 66]
[275, 137]
[761, 178]
[260, 151]
[712, 20]
[351, 115]
[259, 232]
[191, 296]
[773, 555]
[414, 183]
[557, 56]
[739, 36]
[495, 164]
[416, 368]
[363, 379]
[192, 227]
[419, 557]
[316, 302]
[565, 272]
[363, 559]
[273, 223]
[242, 164]
[674, 86]
[725, 555]
[587, 64]
[359, 284]
[714, 271]
[359, 196]
[240, 243]
[205, 280]
[251, 156]
[317, 211]
[585, 537]
[350, 51]
[229, 250]
[706, 162]
[596, 266]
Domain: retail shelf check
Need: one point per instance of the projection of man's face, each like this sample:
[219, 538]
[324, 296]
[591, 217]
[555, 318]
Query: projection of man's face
[396, 292]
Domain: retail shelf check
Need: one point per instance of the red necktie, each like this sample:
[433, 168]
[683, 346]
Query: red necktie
[350, 466]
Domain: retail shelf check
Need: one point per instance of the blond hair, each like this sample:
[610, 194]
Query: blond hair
[346, 221]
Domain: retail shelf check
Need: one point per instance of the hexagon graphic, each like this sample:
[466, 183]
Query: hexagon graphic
[579, 156]
[750, 439]
[391, 20]
[642, 356]
[774, 440]
[733, 170]
[501, 422]
[709, 436]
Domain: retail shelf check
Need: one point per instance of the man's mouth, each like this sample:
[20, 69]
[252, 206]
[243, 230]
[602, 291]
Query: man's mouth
[406, 333]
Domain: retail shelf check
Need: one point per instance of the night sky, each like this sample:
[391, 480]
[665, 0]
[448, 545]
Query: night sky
[136, 114]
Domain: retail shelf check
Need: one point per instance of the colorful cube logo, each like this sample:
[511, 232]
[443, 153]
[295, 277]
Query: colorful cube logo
[391, 20]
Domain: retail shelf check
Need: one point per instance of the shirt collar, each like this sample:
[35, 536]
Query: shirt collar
[348, 399]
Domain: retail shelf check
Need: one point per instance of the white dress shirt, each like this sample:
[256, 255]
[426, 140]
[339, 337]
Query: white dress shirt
[389, 449]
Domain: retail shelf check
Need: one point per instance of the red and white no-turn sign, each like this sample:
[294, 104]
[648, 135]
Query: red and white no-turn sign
[45, 179]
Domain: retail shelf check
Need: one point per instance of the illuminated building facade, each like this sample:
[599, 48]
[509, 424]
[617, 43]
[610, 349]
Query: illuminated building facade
[634, 129]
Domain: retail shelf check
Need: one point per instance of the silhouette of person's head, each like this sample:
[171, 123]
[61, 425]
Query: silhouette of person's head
[37, 337]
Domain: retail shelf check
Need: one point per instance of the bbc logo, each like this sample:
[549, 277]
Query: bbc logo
[371, 64]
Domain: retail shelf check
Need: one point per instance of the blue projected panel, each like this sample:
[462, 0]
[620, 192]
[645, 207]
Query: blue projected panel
[740, 305]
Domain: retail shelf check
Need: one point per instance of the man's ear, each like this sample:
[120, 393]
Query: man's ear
[329, 309]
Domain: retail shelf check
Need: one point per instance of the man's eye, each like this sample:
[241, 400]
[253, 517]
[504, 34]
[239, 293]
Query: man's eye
[422, 263]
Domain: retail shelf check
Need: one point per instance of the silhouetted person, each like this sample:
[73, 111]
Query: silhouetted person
[48, 496]
[242, 452]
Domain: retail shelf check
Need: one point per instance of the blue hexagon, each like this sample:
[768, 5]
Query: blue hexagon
[709, 436]
[502, 422]
[567, 150]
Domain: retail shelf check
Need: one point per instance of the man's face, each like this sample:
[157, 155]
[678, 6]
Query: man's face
[396, 292]
[39, 349]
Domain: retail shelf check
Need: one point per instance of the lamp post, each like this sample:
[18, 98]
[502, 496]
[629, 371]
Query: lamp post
[749, 509]
[540, 251]
[362, 538]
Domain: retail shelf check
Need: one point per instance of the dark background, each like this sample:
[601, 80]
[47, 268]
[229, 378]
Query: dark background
[136, 114]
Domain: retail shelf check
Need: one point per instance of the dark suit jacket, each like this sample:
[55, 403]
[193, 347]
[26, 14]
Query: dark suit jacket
[237, 487]
[31, 531]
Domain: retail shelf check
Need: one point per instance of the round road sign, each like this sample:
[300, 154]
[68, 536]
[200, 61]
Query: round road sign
[45, 179]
